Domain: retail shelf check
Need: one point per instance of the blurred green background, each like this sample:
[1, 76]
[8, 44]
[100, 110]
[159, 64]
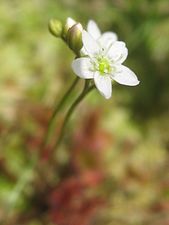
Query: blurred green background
[112, 167]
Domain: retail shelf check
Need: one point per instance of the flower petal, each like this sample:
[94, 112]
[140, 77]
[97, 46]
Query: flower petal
[90, 45]
[70, 22]
[125, 76]
[118, 52]
[107, 39]
[93, 29]
[103, 84]
[83, 51]
[81, 67]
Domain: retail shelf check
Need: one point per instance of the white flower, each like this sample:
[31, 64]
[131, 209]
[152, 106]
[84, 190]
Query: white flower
[103, 63]
[103, 39]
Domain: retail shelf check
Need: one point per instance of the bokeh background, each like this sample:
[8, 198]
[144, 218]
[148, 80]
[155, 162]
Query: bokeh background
[112, 167]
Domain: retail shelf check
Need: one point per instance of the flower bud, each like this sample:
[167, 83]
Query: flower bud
[74, 37]
[69, 23]
[55, 27]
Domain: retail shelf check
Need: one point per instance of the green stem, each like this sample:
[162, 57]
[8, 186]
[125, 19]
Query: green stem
[55, 112]
[85, 91]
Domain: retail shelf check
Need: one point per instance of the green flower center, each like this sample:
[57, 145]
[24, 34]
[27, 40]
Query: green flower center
[104, 66]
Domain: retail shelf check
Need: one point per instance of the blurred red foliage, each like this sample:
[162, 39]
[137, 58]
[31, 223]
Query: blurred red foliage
[89, 142]
[71, 203]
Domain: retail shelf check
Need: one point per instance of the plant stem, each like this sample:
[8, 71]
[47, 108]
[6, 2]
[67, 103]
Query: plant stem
[85, 91]
[55, 112]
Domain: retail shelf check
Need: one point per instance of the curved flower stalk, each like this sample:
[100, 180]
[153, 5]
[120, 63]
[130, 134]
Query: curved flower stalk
[103, 62]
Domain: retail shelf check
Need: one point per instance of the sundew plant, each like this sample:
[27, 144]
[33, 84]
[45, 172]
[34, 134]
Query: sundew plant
[98, 60]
